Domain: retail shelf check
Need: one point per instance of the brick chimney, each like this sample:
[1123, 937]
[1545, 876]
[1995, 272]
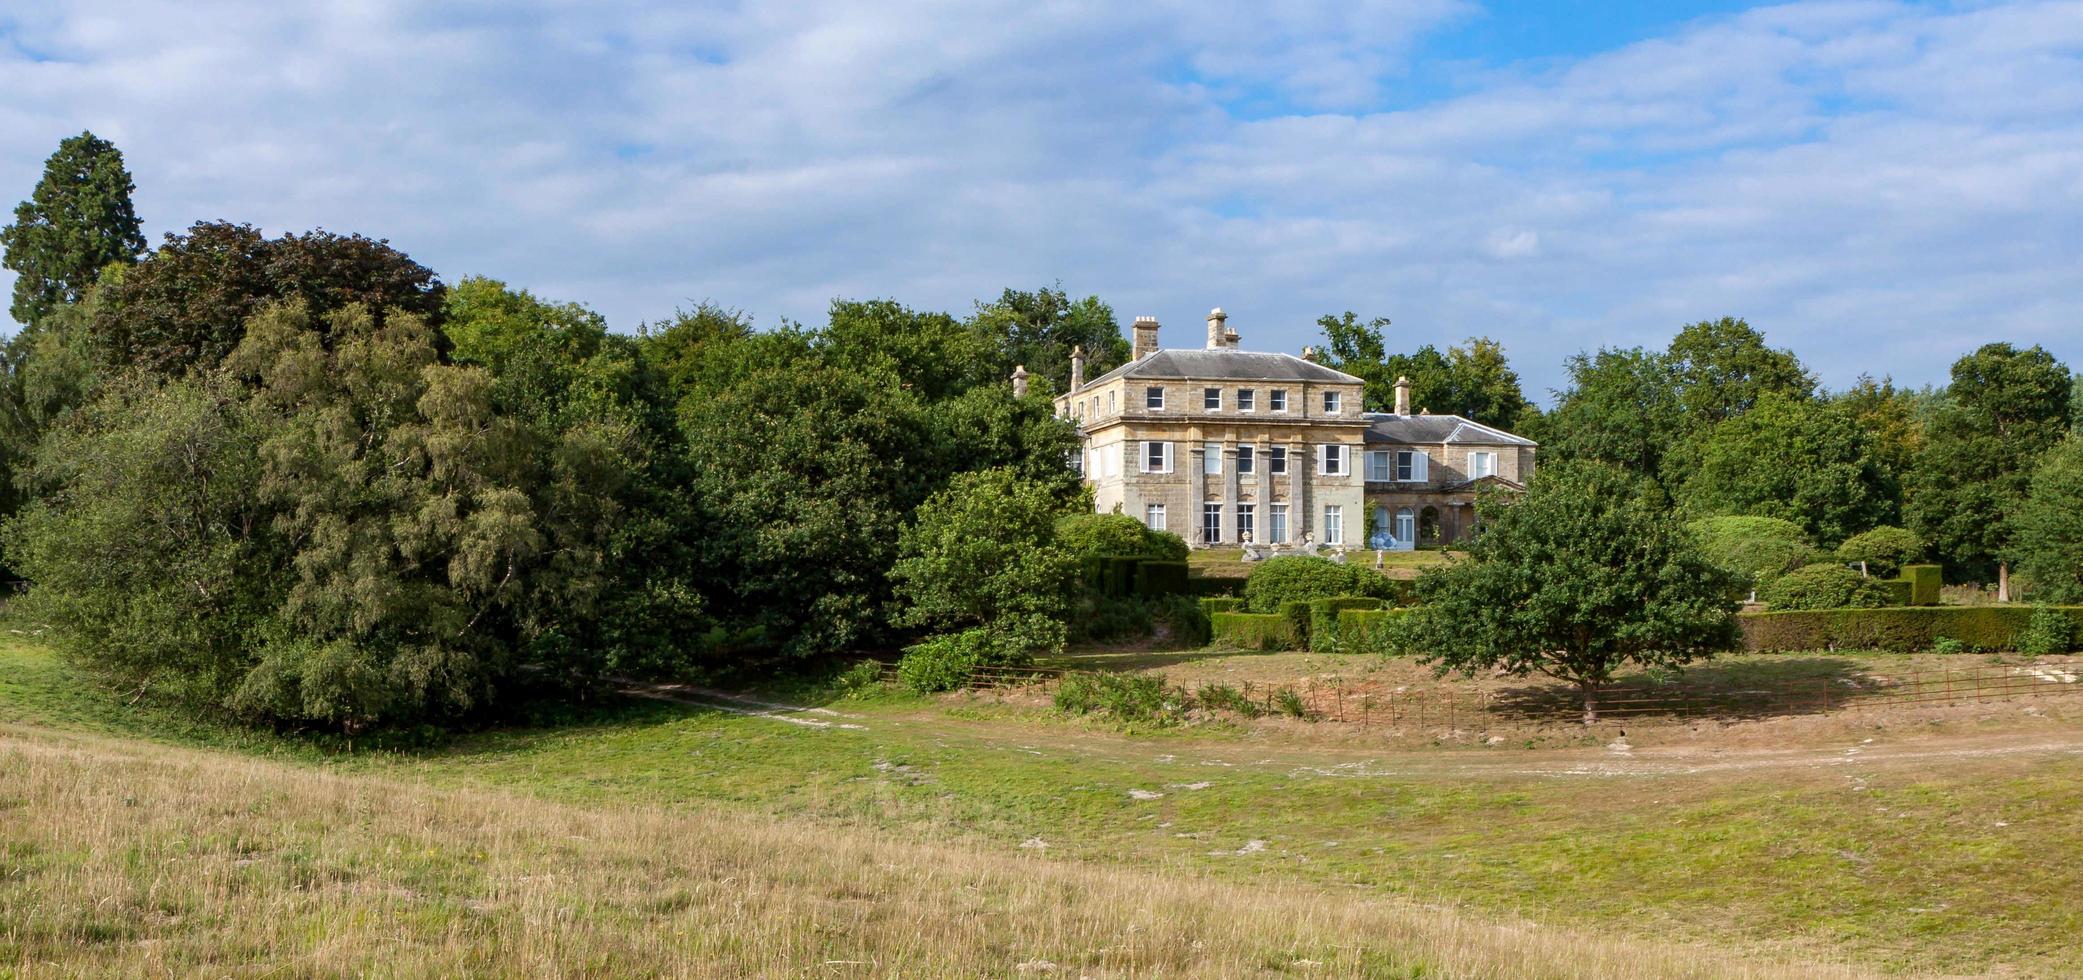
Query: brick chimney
[1218, 331]
[1403, 396]
[1077, 368]
[1145, 331]
[1019, 381]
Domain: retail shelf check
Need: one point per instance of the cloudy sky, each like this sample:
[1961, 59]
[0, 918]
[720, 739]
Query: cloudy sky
[1880, 186]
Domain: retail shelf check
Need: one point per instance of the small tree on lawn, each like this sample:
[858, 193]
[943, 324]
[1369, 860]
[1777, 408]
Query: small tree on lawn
[983, 553]
[1583, 575]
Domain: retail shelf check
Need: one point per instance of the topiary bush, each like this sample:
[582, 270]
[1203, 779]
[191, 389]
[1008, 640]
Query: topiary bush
[1884, 549]
[1903, 629]
[2049, 630]
[1117, 535]
[1756, 549]
[1301, 578]
[1377, 631]
[1253, 631]
[1926, 582]
[1323, 619]
[1825, 587]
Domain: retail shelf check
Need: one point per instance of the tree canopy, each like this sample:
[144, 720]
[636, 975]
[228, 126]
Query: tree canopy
[1804, 461]
[1586, 574]
[2047, 539]
[1473, 380]
[77, 221]
[2004, 410]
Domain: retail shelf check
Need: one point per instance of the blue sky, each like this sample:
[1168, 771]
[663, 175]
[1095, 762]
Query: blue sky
[1879, 186]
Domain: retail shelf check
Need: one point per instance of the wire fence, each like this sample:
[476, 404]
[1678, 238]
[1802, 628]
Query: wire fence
[1368, 703]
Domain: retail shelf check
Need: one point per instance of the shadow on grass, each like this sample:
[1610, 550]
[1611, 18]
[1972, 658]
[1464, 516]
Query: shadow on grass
[1750, 689]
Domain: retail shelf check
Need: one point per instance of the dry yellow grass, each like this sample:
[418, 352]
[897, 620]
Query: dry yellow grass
[131, 859]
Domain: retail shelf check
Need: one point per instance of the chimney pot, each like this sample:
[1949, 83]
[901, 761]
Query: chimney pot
[1077, 368]
[1218, 333]
[1403, 396]
[1145, 331]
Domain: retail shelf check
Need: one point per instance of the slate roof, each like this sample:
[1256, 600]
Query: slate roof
[1418, 429]
[1227, 364]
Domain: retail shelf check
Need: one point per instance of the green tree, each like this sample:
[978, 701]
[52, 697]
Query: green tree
[1585, 574]
[1828, 586]
[1756, 550]
[1116, 535]
[1723, 368]
[1039, 329]
[1622, 407]
[1473, 380]
[2006, 408]
[1892, 420]
[77, 221]
[2047, 543]
[1799, 460]
[186, 305]
[983, 553]
[1884, 550]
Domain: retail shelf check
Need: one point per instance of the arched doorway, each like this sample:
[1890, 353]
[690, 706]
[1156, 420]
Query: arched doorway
[1428, 526]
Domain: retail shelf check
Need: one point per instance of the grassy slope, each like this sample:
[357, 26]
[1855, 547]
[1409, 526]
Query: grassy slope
[1948, 865]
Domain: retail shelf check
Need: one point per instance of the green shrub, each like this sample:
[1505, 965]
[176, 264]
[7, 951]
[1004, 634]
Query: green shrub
[1323, 619]
[1113, 576]
[1156, 578]
[1218, 604]
[1214, 585]
[1222, 697]
[2049, 630]
[950, 660]
[1925, 583]
[1901, 629]
[860, 679]
[1103, 618]
[1884, 549]
[1948, 645]
[1899, 590]
[1289, 702]
[1253, 631]
[1300, 578]
[1117, 535]
[1374, 631]
[1298, 618]
[1757, 549]
[1825, 587]
[1127, 697]
[1189, 624]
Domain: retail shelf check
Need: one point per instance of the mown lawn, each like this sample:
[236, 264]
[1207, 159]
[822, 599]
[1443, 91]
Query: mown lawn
[1954, 863]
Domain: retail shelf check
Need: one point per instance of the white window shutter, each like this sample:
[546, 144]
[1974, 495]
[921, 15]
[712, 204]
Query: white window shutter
[1167, 458]
[1143, 458]
[1323, 460]
[1421, 471]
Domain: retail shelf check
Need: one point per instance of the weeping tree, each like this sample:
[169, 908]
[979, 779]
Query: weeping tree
[1584, 575]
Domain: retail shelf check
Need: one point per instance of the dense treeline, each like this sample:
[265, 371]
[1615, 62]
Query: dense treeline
[302, 480]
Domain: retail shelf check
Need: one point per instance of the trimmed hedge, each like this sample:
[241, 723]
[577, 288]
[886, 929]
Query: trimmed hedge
[1215, 585]
[1298, 617]
[1254, 631]
[1899, 590]
[1323, 619]
[1221, 604]
[1902, 629]
[1367, 630]
[1156, 578]
[1924, 583]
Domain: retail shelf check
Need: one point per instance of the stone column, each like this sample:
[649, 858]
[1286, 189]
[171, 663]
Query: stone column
[1229, 493]
[1300, 460]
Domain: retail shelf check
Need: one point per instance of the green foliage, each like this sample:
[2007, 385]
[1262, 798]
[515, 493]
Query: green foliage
[983, 550]
[1117, 535]
[1299, 618]
[1800, 460]
[77, 221]
[343, 533]
[1300, 578]
[2047, 544]
[1757, 550]
[1289, 702]
[1161, 578]
[1222, 697]
[860, 680]
[1723, 370]
[949, 661]
[1254, 631]
[1384, 632]
[1902, 629]
[1190, 626]
[1884, 549]
[1925, 583]
[2007, 409]
[1473, 380]
[1106, 618]
[2050, 630]
[1324, 635]
[1221, 604]
[1040, 329]
[1622, 407]
[1825, 587]
[185, 307]
[1129, 698]
[1581, 576]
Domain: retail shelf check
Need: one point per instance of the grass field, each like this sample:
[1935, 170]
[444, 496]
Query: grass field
[968, 837]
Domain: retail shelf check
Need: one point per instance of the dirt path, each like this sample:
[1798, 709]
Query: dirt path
[738, 704]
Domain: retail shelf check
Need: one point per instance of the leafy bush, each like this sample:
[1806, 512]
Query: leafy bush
[1189, 625]
[1218, 604]
[861, 679]
[1757, 550]
[2048, 631]
[1117, 535]
[1127, 697]
[1253, 631]
[1300, 578]
[1290, 703]
[1323, 619]
[1222, 697]
[1377, 631]
[1884, 549]
[1901, 629]
[1949, 645]
[1098, 617]
[949, 661]
[1825, 587]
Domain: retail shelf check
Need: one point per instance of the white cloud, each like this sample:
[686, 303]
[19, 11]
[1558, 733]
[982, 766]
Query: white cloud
[1880, 186]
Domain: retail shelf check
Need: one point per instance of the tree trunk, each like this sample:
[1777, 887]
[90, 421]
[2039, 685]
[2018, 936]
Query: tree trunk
[2003, 581]
[1590, 704]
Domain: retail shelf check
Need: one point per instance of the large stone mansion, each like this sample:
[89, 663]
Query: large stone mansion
[1225, 446]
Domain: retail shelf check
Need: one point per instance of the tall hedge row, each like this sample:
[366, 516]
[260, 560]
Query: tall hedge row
[1904, 629]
